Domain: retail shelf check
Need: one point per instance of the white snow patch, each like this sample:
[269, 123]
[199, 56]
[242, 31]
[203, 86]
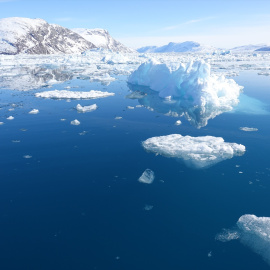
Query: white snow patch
[147, 177]
[196, 152]
[64, 94]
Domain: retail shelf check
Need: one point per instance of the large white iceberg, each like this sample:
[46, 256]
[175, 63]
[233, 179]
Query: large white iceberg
[253, 232]
[64, 94]
[197, 91]
[196, 152]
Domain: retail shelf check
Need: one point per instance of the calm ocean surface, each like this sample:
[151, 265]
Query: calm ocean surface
[77, 203]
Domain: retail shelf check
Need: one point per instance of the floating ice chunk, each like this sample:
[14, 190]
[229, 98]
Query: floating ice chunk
[16, 141]
[209, 254]
[148, 207]
[147, 177]
[196, 152]
[130, 107]
[64, 94]
[84, 109]
[253, 232]
[34, 111]
[136, 95]
[2, 123]
[63, 119]
[118, 117]
[27, 156]
[192, 83]
[10, 118]
[75, 122]
[178, 122]
[248, 129]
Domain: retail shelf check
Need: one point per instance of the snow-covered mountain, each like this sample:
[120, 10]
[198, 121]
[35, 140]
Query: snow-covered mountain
[102, 39]
[263, 49]
[36, 36]
[187, 46]
[248, 48]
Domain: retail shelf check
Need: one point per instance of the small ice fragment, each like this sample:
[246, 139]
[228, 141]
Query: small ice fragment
[130, 107]
[118, 117]
[178, 122]
[83, 133]
[63, 119]
[10, 118]
[148, 207]
[248, 129]
[16, 141]
[240, 172]
[117, 258]
[75, 122]
[139, 106]
[27, 156]
[23, 129]
[147, 177]
[2, 123]
[237, 166]
[34, 111]
[209, 254]
[84, 109]
[11, 109]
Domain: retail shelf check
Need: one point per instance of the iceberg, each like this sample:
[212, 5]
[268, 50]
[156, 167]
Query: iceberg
[196, 152]
[147, 177]
[252, 231]
[84, 109]
[10, 117]
[64, 94]
[195, 90]
[34, 111]
[75, 122]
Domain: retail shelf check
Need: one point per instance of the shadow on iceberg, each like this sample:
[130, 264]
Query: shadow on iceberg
[190, 90]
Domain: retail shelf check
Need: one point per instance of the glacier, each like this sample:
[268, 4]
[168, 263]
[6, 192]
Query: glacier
[195, 152]
[253, 232]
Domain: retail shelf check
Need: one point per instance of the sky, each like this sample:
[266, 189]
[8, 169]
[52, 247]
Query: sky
[220, 23]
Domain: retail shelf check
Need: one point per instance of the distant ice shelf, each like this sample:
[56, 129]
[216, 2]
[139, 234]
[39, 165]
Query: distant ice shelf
[195, 152]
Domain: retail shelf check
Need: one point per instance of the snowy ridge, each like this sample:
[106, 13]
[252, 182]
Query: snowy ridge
[249, 48]
[187, 46]
[36, 36]
[102, 39]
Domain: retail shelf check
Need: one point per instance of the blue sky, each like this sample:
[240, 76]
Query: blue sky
[140, 23]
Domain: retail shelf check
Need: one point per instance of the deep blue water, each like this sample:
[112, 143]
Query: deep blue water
[77, 203]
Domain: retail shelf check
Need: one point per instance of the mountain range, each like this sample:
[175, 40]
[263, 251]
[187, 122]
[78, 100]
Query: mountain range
[36, 36]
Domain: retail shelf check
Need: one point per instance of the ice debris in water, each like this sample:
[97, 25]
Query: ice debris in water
[118, 117]
[196, 152]
[252, 231]
[34, 111]
[75, 122]
[27, 156]
[147, 177]
[84, 109]
[10, 118]
[130, 107]
[148, 207]
[64, 94]
[248, 129]
[192, 83]
[1, 123]
[178, 122]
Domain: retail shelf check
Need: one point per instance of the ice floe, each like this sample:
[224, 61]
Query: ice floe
[252, 231]
[196, 152]
[64, 94]
[34, 111]
[75, 122]
[84, 109]
[118, 118]
[248, 129]
[178, 122]
[10, 117]
[147, 177]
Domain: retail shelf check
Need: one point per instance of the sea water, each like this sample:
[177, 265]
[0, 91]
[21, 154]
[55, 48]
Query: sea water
[75, 202]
